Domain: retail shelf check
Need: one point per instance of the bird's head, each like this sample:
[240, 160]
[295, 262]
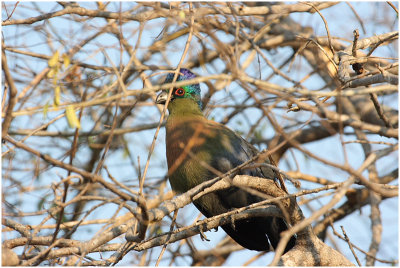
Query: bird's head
[191, 92]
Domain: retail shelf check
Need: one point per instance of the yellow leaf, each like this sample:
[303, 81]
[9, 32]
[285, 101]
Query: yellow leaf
[55, 78]
[45, 109]
[182, 14]
[66, 60]
[57, 92]
[51, 73]
[53, 61]
[72, 119]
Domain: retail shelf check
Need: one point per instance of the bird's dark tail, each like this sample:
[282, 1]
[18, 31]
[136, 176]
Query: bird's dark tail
[259, 233]
[278, 225]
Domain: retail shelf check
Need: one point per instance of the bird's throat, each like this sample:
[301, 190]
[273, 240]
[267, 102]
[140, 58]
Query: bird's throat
[184, 108]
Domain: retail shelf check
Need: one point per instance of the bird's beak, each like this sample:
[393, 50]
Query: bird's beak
[162, 97]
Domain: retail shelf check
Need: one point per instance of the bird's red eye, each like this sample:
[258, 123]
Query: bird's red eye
[180, 92]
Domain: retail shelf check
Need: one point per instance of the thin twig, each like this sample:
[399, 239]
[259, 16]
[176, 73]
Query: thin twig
[326, 26]
[379, 110]
[350, 246]
[357, 16]
[393, 6]
[167, 242]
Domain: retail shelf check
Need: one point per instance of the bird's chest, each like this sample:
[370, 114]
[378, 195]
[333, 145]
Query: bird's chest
[188, 153]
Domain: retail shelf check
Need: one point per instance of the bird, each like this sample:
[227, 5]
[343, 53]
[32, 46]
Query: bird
[192, 139]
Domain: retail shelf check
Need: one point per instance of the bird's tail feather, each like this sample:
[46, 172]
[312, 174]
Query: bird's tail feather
[278, 225]
[249, 233]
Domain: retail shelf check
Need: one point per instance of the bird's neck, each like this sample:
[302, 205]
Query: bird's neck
[184, 108]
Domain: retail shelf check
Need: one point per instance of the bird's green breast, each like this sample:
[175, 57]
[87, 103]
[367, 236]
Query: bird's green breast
[188, 145]
[186, 154]
[190, 153]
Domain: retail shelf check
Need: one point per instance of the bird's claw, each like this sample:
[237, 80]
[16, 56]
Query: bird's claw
[203, 236]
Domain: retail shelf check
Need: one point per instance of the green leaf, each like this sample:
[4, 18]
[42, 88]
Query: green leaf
[91, 139]
[258, 134]
[40, 205]
[125, 153]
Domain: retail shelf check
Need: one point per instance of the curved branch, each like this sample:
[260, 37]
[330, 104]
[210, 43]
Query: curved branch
[12, 96]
